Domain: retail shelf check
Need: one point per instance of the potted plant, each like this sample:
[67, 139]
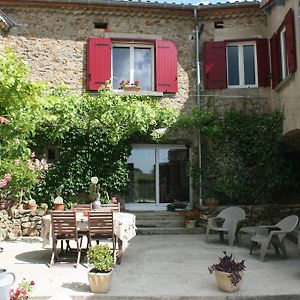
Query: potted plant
[127, 86]
[58, 203]
[101, 258]
[228, 273]
[32, 205]
[190, 217]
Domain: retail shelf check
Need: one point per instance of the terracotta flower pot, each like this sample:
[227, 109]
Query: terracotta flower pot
[32, 207]
[59, 206]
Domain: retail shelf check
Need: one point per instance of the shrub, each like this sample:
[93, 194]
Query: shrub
[100, 256]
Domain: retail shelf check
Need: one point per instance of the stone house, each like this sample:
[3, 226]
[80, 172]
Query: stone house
[216, 54]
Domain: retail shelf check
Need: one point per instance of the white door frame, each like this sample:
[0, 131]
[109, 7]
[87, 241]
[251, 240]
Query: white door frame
[158, 206]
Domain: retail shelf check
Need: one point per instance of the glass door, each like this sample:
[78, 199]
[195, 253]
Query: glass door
[158, 175]
[141, 166]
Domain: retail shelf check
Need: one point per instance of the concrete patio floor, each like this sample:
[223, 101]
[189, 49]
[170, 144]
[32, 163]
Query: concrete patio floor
[158, 267]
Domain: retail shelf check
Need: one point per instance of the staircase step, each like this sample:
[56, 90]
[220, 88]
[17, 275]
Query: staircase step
[157, 215]
[159, 223]
[169, 230]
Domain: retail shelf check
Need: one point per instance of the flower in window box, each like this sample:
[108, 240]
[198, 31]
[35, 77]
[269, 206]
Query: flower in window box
[127, 86]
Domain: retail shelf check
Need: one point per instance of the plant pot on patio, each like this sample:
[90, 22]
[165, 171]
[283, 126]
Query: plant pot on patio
[224, 282]
[190, 224]
[100, 276]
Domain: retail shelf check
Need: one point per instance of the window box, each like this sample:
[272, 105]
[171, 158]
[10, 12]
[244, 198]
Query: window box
[131, 89]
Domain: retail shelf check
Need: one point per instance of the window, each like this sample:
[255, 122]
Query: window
[154, 64]
[241, 65]
[283, 50]
[236, 64]
[133, 63]
[283, 54]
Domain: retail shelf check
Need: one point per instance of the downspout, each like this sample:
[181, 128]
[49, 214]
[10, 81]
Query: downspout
[198, 81]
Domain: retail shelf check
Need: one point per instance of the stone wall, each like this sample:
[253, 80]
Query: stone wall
[20, 222]
[52, 39]
[257, 214]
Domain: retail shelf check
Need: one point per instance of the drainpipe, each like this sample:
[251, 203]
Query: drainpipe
[198, 81]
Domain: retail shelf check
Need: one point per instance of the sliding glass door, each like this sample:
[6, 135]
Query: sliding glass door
[158, 175]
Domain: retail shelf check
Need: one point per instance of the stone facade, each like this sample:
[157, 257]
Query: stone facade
[286, 94]
[52, 39]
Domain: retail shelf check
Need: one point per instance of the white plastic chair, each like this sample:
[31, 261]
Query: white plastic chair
[231, 216]
[274, 235]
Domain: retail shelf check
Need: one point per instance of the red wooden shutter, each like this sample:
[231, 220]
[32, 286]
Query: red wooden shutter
[214, 58]
[166, 66]
[98, 66]
[275, 59]
[290, 41]
[263, 66]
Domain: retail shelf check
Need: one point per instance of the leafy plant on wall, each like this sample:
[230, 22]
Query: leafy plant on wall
[245, 161]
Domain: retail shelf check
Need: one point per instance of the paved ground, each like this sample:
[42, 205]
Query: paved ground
[158, 267]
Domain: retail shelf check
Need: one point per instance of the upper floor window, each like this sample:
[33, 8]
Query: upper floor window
[153, 64]
[241, 65]
[283, 50]
[133, 63]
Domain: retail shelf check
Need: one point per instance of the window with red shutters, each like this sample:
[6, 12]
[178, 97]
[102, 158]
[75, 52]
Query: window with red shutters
[166, 66]
[275, 59]
[290, 41]
[98, 66]
[163, 59]
[214, 58]
[262, 50]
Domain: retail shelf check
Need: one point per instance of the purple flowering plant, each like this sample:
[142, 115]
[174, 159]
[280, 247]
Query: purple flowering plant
[227, 264]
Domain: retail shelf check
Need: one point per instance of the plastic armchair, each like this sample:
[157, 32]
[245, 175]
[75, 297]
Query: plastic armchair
[231, 216]
[274, 235]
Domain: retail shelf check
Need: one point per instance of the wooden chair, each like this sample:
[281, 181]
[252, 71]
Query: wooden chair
[82, 207]
[115, 207]
[64, 228]
[101, 226]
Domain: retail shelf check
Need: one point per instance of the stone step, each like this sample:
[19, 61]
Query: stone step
[169, 230]
[159, 223]
[154, 215]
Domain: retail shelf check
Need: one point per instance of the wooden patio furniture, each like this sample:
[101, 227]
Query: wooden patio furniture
[64, 228]
[115, 207]
[82, 207]
[100, 227]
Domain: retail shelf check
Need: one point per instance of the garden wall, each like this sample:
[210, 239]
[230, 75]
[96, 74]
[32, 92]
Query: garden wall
[257, 214]
[20, 222]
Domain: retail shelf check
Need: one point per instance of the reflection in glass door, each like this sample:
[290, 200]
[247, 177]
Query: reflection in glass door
[173, 175]
[141, 165]
[158, 175]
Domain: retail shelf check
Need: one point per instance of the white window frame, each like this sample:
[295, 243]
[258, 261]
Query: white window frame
[283, 54]
[241, 65]
[131, 54]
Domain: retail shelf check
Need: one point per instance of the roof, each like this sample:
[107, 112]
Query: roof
[149, 3]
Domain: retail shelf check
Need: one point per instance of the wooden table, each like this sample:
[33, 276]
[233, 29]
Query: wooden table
[124, 229]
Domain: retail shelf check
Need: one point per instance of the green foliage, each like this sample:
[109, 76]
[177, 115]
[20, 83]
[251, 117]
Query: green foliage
[100, 256]
[21, 104]
[245, 162]
[83, 155]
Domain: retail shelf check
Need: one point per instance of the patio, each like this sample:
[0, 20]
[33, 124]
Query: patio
[158, 267]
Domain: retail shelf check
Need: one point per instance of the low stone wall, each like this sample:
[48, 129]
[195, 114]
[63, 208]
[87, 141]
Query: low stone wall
[20, 222]
[256, 214]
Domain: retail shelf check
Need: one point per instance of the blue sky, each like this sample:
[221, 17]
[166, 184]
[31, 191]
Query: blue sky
[199, 1]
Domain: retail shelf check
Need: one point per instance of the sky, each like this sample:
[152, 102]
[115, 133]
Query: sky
[199, 1]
